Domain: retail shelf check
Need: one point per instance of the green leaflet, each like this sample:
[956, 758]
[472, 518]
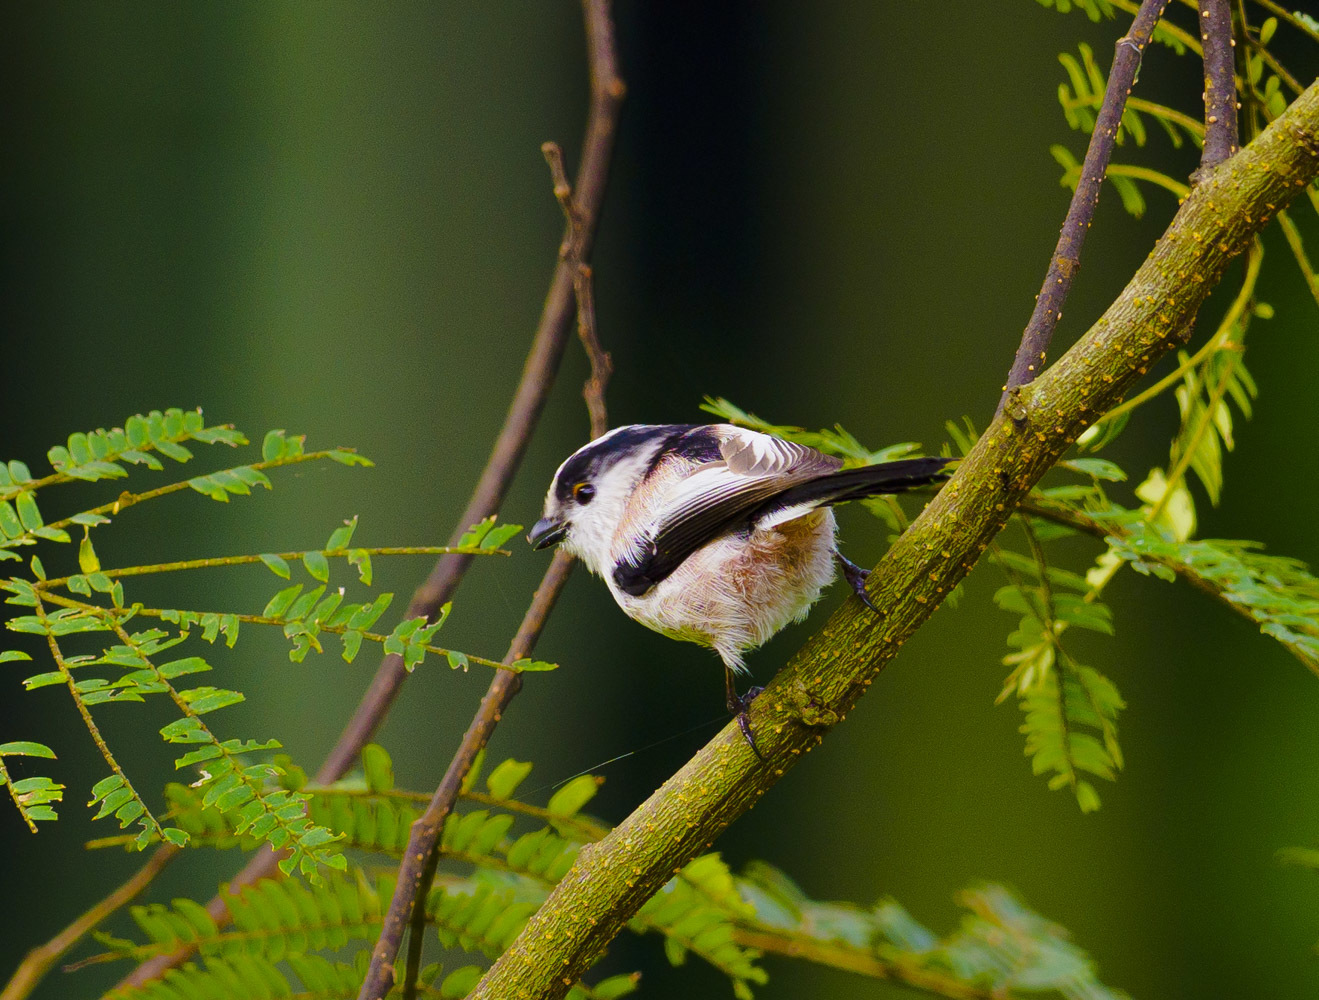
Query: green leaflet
[706, 910]
[34, 797]
[1206, 430]
[1000, 945]
[1069, 711]
[1278, 593]
[1102, 9]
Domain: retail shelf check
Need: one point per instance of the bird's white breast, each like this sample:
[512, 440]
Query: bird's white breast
[736, 592]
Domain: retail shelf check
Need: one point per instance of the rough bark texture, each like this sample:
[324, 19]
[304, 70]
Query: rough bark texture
[611, 879]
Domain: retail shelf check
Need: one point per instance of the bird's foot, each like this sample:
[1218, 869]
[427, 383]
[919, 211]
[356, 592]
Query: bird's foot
[856, 579]
[737, 706]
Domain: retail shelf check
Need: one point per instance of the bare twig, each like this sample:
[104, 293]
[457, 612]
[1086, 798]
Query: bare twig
[42, 958]
[1220, 96]
[1066, 259]
[524, 411]
[417, 869]
[602, 365]
[537, 377]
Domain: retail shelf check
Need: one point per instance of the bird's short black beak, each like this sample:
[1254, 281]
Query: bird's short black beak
[546, 532]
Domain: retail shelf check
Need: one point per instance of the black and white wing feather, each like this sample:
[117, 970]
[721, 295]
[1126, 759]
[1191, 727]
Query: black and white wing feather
[760, 481]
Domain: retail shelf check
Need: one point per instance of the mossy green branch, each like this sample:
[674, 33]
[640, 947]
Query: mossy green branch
[612, 879]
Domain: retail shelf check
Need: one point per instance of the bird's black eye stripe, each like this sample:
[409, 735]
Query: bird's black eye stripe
[583, 493]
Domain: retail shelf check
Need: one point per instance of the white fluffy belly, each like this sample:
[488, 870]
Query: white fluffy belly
[736, 592]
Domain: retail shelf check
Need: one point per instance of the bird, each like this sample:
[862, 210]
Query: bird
[714, 533]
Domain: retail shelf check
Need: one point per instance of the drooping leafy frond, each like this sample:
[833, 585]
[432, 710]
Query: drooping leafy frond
[499, 863]
[697, 912]
[1277, 592]
[1001, 950]
[92, 603]
[1069, 710]
[1206, 428]
[228, 782]
[692, 912]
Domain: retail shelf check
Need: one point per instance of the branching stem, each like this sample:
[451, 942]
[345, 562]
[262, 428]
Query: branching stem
[1066, 260]
[67, 673]
[389, 550]
[266, 620]
[419, 863]
[612, 879]
[524, 411]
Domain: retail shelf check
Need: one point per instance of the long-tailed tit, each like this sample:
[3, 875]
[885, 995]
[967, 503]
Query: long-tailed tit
[712, 533]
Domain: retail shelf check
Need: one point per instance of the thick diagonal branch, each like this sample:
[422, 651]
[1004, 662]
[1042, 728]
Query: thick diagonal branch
[611, 879]
[1066, 260]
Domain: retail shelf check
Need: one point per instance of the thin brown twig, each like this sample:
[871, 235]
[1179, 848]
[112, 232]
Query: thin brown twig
[537, 378]
[1222, 138]
[814, 692]
[43, 957]
[538, 373]
[602, 365]
[594, 394]
[1066, 260]
[417, 870]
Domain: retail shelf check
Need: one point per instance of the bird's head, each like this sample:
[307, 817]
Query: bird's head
[587, 500]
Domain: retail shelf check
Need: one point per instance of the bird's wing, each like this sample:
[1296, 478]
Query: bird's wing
[718, 498]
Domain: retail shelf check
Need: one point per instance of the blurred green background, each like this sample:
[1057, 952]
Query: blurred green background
[335, 218]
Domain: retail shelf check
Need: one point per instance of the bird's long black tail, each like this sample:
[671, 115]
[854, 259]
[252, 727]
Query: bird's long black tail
[866, 481]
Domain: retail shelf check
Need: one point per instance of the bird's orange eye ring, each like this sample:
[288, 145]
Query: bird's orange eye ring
[583, 493]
